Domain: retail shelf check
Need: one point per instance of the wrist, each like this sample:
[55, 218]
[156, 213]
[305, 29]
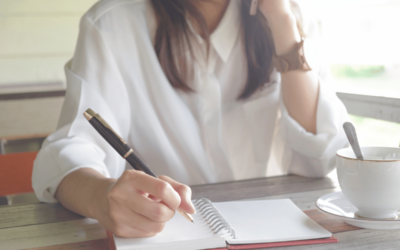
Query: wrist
[99, 199]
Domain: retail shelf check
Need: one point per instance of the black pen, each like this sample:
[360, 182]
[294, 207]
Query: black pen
[105, 130]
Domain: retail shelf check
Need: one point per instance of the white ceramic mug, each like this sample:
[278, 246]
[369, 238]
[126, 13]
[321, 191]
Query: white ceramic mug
[373, 184]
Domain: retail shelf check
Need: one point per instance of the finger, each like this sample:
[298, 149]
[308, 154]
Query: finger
[123, 218]
[156, 187]
[151, 209]
[184, 192]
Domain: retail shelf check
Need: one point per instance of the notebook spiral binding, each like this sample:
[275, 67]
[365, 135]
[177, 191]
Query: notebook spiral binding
[212, 216]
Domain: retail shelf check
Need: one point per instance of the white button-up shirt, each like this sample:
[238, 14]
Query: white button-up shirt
[196, 138]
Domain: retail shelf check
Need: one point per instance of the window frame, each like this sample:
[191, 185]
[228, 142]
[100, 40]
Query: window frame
[377, 107]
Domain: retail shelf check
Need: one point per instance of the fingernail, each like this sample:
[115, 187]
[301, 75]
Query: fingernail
[189, 201]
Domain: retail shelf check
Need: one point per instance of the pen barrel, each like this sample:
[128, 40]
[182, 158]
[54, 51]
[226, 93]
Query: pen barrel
[137, 164]
[120, 146]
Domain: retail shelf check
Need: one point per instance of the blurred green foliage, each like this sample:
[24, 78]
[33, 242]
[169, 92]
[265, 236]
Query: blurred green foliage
[356, 71]
[373, 132]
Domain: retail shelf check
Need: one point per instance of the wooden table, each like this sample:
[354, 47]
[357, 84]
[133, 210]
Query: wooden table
[43, 226]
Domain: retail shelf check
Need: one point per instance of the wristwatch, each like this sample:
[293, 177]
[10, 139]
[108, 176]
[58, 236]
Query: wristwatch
[294, 60]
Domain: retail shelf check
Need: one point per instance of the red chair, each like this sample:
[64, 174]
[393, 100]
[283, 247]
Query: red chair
[16, 173]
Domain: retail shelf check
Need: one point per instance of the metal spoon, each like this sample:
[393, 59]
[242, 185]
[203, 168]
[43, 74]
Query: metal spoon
[352, 137]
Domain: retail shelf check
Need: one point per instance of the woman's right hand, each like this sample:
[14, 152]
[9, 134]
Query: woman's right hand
[139, 205]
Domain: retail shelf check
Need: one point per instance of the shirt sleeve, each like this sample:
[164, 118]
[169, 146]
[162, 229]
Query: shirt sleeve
[313, 155]
[93, 81]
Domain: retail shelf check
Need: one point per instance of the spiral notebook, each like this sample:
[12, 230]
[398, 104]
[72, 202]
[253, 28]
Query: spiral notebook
[234, 225]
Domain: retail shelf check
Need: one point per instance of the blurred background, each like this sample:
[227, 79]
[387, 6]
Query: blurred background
[360, 41]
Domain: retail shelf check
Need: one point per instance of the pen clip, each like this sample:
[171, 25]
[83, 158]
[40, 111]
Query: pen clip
[253, 7]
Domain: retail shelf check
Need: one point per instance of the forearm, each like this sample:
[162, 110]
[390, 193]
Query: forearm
[299, 88]
[127, 207]
[79, 191]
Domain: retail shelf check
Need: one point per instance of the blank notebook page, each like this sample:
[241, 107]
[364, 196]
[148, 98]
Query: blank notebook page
[265, 221]
[178, 233]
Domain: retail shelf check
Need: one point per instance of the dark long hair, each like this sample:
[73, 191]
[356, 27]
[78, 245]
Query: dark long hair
[173, 34]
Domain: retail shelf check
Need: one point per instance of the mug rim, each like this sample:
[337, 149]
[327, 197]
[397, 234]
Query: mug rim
[355, 159]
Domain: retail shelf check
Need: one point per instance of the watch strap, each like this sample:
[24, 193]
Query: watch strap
[295, 60]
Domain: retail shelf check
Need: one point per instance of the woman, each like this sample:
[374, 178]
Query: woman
[193, 87]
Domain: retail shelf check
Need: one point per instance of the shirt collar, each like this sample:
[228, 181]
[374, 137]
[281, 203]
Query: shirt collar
[224, 36]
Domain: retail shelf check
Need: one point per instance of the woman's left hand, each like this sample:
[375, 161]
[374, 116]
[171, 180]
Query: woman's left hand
[282, 23]
[273, 8]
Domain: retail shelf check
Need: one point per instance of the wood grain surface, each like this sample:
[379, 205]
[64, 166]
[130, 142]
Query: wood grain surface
[260, 187]
[101, 244]
[51, 226]
[34, 214]
[51, 234]
[23, 215]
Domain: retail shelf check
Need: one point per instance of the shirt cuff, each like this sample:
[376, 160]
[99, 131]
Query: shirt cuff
[58, 159]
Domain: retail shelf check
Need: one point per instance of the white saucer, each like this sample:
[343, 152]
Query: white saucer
[336, 204]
